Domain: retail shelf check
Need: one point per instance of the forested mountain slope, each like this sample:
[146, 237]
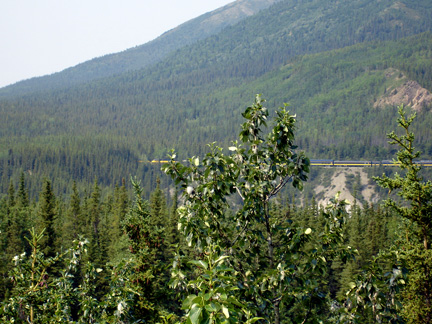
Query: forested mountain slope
[146, 54]
[330, 60]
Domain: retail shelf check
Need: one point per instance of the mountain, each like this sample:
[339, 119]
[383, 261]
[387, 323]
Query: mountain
[334, 61]
[146, 54]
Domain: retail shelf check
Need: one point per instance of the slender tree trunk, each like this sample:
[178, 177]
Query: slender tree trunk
[32, 280]
[276, 300]
[277, 311]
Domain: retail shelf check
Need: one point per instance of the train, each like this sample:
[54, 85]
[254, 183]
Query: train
[159, 161]
[334, 163]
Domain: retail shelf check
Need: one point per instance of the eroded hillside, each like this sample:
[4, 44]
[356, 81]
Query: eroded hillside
[404, 91]
[349, 182]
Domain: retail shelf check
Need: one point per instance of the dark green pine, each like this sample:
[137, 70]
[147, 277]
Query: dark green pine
[47, 216]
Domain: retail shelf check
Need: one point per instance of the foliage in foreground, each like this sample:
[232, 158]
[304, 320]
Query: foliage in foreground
[273, 272]
[42, 296]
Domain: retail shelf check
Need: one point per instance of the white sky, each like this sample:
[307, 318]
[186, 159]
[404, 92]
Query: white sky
[39, 37]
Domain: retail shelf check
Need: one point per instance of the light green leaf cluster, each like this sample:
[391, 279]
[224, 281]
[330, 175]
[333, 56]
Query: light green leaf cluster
[270, 272]
[41, 297]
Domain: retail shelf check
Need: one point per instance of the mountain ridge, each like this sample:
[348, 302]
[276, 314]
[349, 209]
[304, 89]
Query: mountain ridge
[143, 55]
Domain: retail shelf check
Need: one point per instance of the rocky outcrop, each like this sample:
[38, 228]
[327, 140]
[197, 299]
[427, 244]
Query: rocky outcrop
[410, 93]
[341, 181]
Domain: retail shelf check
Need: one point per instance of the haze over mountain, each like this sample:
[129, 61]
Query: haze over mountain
[332, 60]
[146, 54]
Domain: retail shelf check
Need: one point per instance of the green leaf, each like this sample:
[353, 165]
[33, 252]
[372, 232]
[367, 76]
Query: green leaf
[235, 302]
[195, 314]
[212, 307]
[200, 263]
[188, 301]
[225, 311]
[220, 259]
[224, 296]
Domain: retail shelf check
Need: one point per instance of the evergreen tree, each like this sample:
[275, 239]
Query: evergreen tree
[13, 224]
[159, 219]
[47, 216]
[385, 290]
[354, 234]
[22, 195]
[120, 208]
[146, 245]
[172, 234]
[4, 213]
[73, 224]
[158, 207]
[97, 250]
[375, 231]
[11, 196]
[418, 194]
[118, 246]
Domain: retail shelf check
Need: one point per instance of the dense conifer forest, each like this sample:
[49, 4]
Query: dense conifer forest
[93, 231]
[232, 247]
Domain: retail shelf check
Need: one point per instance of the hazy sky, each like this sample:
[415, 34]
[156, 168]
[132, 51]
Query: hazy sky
[39, 37]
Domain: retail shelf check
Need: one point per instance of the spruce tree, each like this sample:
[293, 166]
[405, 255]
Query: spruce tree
[97, 250]
[12, 233]
[375, 231]
[47, 216]
[118, 246]
[73, 224]
[120, 208]
[158, 207]
[22, 195]
[417, 209]
[11, 196]
[354, 234]
[172, 235]
[4, 212]
[147, 246]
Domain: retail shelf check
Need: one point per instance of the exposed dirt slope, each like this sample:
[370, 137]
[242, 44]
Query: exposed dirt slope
[343, 181]
[404, 91]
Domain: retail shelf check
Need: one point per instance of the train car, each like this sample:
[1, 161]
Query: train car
[425, 163]
[322, 162]
[387, 163]
[353, 163]
[159, 161]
